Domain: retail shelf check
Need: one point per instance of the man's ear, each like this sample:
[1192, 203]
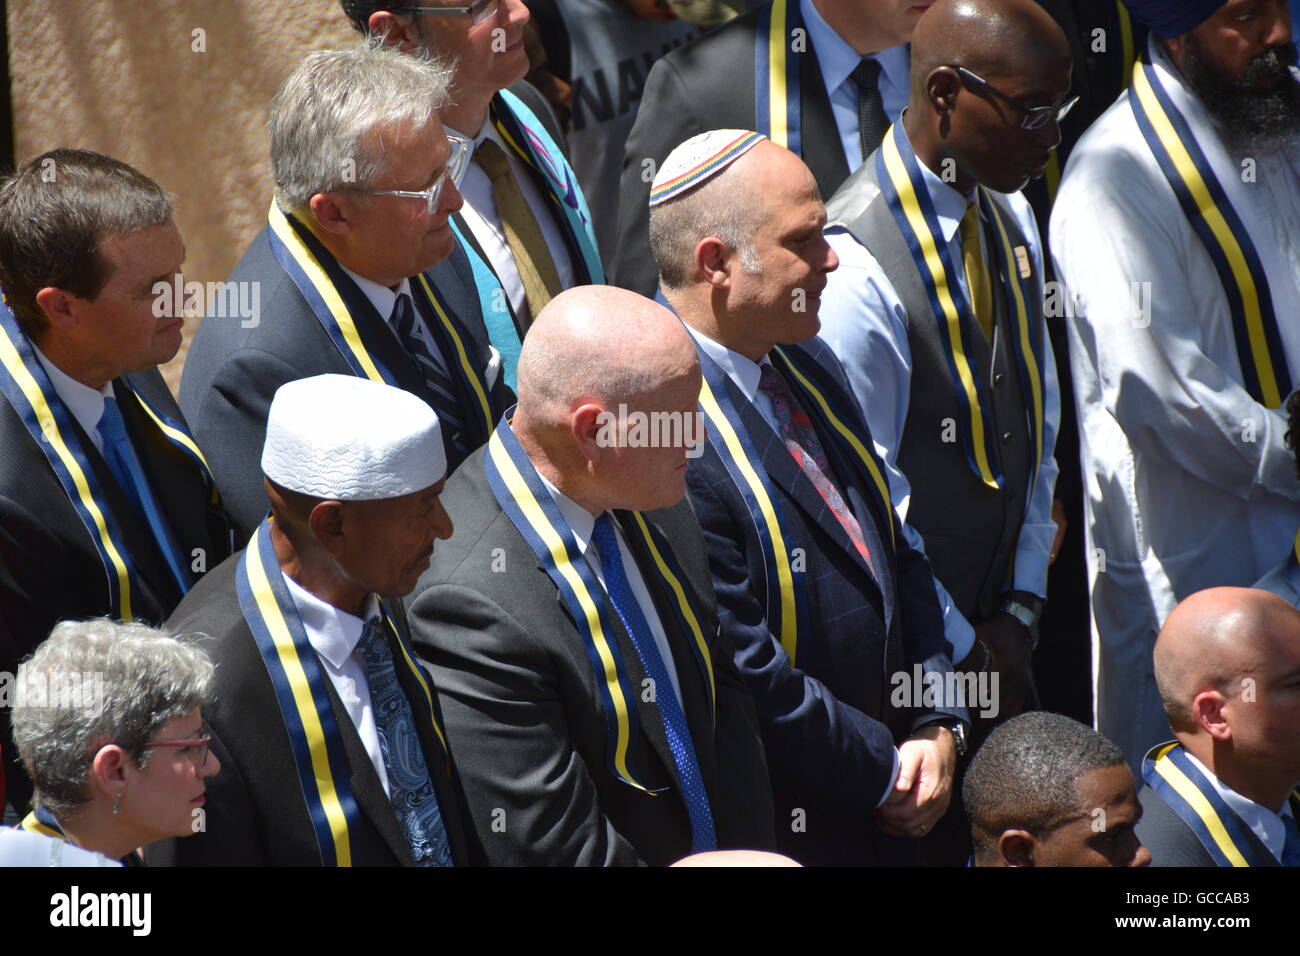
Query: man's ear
[1016, 848]
[1208, 712]
[58, 307]
[327, 524]
[943, 86]
[400, 32]
[594, 429]
[331, 216]
[713, 258]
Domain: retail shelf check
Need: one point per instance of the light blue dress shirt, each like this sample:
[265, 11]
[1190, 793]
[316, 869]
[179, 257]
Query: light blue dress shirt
[864, 321]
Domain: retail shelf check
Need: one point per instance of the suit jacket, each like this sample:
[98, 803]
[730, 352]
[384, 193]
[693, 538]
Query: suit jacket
[50, 569]
[256, 814]
[523, 711]
[1163, 832]
[709, 84]
[231, 372]
[828, 721]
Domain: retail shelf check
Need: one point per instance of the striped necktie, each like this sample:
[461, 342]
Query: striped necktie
[524, 236]
[126, 468]
[978, 282]
[410, 789]
[674, 720]
[411, 334]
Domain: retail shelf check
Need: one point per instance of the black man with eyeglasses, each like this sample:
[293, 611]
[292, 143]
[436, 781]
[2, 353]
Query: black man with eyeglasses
[357, 271]
[936, 313]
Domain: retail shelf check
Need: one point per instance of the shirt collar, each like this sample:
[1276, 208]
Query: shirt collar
[949, 205]
[488, 131]
[581, 521]
[1263, 822]
[743, 371]
[332, 633]
[838, 59]
[85, 404]
[381, 296]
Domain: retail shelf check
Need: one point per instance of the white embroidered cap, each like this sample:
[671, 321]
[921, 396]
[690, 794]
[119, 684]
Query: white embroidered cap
[700, 158]
[350, 439]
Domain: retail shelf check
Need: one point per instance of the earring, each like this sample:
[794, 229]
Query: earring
[117, 804]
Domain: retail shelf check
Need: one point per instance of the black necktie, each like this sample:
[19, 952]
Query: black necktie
[871, 107]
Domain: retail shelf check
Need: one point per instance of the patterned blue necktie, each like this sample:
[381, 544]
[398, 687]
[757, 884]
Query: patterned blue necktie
[679, 735]
[126, 468]
[435, 376]
[409, 788]
[1291, 849]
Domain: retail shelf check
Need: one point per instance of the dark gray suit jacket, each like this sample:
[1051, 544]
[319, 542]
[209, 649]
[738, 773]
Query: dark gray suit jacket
[523, 713]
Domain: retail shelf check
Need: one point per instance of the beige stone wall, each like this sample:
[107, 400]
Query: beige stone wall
[132, 79]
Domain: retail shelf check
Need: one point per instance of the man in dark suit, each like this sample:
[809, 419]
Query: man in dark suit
[785, 495]
[592, 707]
[106, 506]
[1044, 790]
[1224, 793]
[846, 66]
[327, 731]
[525, 225]
[357, 271]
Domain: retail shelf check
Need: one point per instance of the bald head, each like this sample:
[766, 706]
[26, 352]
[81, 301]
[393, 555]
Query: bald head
[1213, 640]
[991, 37]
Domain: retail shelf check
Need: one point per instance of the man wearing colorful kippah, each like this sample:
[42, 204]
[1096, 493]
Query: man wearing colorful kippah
[1176, 234]
[826, 604]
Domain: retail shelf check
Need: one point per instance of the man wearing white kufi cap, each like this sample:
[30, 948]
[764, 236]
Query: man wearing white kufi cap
[332, 732]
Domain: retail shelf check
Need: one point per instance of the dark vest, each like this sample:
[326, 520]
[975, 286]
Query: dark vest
[970, 529]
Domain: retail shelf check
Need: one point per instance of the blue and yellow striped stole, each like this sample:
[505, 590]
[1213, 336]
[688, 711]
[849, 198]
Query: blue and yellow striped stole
[1221, 231]
[786, 603]
[28, 389]
[305, 260]
[43, 822]
[901, 181]
[301, 692]
[776, 75]
[531, 509]
[1170, 773]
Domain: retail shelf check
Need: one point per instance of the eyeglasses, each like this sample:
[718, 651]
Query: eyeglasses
[480, 11]
[457, 163]
[1036, 117]
[198, 748]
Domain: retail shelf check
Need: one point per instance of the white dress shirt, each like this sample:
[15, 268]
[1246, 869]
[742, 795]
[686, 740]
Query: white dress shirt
[746, 373]
[837, 60]
[1188, 483]
[864, 321]
[583, 523]
[1263, 822]
[85, 404]
[480, 213]
[334, 634]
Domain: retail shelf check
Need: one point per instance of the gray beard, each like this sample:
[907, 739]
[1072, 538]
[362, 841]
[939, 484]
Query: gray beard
[1251, 121]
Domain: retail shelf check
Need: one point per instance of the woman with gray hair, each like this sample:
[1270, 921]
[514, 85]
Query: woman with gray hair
[107, 722]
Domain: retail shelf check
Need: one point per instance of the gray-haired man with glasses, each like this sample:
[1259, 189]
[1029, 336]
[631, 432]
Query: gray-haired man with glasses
[358, 270]
[936, 313]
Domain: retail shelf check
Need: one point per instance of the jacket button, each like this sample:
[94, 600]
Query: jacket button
[999, 378]
[1006, 437]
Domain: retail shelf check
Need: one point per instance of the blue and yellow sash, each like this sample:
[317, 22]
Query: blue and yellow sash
[1220, 229]
[1168, 770]
[41, 821]
[786, 602]
[532, 510]
[309, 265]
[899, 173]
[301, 690]
[776, 75]
[28, 389]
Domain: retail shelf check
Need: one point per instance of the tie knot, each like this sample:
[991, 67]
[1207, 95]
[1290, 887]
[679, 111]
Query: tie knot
[491, 158]
[605, 536]
[372, 645]
[770, 381]
[403, 313]
[111, 426]
[866, 74]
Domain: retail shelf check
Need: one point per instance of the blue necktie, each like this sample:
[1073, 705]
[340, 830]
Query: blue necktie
[409, 788]
[122, 462]
[679, 736]
[435, 376]
[1291, 849]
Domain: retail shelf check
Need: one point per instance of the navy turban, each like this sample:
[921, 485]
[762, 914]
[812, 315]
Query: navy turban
[1172, 18]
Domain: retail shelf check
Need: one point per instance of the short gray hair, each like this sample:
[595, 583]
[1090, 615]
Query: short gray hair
[324, 110]
[139, 679]
[714, 208]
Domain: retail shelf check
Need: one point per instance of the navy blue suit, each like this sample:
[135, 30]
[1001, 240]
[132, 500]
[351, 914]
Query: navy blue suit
[828, 724]
[231, 372]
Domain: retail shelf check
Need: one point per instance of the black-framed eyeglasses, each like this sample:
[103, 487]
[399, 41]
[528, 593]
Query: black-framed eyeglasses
[480, 11]
[196, 749]
[457, 163]
[1035, 117]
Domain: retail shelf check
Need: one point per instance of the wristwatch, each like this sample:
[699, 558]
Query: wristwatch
[1025, 616]
[958, 730]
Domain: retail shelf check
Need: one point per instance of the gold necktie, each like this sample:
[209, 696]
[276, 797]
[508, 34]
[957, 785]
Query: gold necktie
[978, 282]
[523, 234]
